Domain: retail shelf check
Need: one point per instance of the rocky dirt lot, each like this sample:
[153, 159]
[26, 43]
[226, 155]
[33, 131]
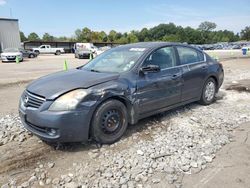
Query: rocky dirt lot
[192, 146]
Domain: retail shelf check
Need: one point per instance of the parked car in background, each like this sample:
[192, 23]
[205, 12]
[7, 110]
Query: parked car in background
[10, 55]
[28, 53]
[47, 49]
[82, 53]
[119, 87]
[88, 46]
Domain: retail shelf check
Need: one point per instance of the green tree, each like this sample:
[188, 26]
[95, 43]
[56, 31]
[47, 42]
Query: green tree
[123, 40]
[103, 36]
[22, 36]
[86, 34]
[245, 33]
[95, 36]
[83, 35]
[162, 32]
[207, 26]
[112, 35]
[143, 35]
[171, 38]
[132, 38]
[48, 37]
[33, 37]
[78, 35]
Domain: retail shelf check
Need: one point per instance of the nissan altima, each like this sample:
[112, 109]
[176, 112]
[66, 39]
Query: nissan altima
[98, 100]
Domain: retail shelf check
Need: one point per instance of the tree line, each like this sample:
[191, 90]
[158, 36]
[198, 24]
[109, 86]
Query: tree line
[204, 34]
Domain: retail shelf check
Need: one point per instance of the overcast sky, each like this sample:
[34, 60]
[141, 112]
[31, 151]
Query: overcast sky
[63, 17]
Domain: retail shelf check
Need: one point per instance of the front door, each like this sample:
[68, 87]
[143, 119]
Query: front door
[43, 49]
[156, 90]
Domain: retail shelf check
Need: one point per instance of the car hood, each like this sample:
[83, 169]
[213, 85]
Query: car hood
[10, 53]
[56, 84]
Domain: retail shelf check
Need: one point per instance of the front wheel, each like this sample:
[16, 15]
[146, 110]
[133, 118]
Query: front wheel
[37, 52]
[109, 122]
[31, 56]
[208, 92]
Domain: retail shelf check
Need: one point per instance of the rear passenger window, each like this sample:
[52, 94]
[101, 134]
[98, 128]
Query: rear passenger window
[189, 55]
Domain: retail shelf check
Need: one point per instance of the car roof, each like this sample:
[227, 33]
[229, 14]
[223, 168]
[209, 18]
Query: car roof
[152, 45]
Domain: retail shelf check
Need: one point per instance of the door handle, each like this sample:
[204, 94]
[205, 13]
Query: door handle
[204, 67]
[175, 76]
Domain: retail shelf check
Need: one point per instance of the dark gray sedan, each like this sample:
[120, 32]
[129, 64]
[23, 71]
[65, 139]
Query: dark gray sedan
[119, 87]
[28, 53]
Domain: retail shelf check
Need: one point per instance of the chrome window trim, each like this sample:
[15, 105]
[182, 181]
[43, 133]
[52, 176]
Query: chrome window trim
[178, 66]
[205, 59]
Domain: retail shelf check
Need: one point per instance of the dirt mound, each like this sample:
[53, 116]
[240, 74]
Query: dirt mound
[241, 85]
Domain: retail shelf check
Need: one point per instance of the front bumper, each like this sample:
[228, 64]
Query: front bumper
[68, 126]
[84, 56]
[10, 59]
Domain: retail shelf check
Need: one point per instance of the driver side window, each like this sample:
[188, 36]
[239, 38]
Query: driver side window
[163, 57]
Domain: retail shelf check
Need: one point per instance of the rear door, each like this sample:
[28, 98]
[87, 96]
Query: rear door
[48, 49]
[156, 90]
[194, 71]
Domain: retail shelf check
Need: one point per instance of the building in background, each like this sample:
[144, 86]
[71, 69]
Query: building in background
[9, 34]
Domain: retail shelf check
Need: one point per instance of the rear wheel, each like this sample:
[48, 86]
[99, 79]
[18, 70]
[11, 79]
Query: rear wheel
[58, 52]
[109, 122]
[208, 92]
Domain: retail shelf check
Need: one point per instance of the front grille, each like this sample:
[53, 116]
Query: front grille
[33, 100]
[11, 57]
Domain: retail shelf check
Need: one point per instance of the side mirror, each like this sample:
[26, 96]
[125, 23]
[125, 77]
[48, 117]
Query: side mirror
[150, 68]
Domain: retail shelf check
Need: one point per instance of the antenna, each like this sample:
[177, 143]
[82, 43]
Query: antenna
[11, 13]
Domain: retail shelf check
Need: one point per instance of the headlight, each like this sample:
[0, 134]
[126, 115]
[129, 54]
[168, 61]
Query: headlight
[68, 101]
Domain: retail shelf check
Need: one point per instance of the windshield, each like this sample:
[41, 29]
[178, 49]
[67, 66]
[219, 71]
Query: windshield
[11, 50]
[115, 60]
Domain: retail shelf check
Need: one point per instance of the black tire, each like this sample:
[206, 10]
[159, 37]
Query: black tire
[37, 52]
[58, 52]
[208, 92]
[109, 122]
[31, 56]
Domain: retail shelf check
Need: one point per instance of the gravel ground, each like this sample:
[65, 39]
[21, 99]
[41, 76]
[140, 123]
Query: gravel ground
[179, 142]
[168, 146]
[11, 130]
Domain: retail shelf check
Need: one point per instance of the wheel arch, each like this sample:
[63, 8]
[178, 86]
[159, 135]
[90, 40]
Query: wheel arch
[127, 104]
[215, 79]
